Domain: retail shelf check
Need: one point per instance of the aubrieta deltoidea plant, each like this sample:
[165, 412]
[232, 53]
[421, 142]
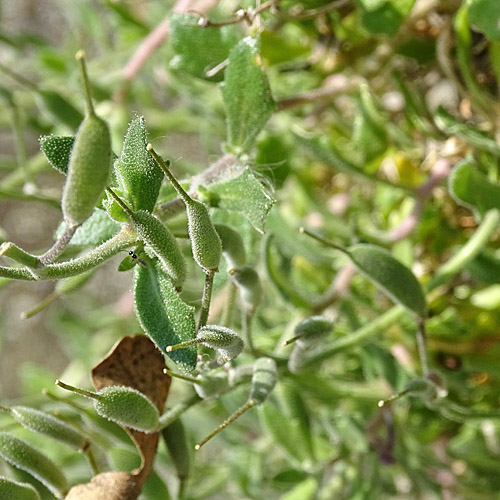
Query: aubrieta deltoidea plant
[305, 204]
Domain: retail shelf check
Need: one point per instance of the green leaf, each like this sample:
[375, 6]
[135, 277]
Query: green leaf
[449, 124]
[392, 277]
[244, 194]
[485, 16]
[303, 491]
[473, 189]
[165, 318]
[247, 96]
[279, 276]
[22, 455]
[369, 133]
[57, 150]
[384, 16]
[283, 431]
[97, 229]
[60, 109]
[279, 47]
[17, 491]
[198, 49]
[138, 175]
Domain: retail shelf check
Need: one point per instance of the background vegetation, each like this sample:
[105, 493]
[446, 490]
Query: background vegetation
[364, 121]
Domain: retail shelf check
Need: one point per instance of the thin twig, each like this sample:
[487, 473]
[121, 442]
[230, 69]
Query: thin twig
[59, 246]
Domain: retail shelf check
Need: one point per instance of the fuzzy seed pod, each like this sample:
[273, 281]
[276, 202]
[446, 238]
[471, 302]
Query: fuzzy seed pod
[153, 233]
[43, 423]
[23, 456]
[264, 378]
[89, 163]
[12, 490]
[311, 330]
[205, 241]
[225, 341]
[297, 358]
[88, 170]
[233, 248]
[127, 407]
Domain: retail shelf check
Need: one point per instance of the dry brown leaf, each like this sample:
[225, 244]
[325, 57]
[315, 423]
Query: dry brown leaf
[135, 362]
[107, 486]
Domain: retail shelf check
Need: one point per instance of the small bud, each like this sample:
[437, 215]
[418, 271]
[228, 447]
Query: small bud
[225, 341]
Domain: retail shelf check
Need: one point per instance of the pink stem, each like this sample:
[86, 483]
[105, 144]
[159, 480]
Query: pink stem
[158, 36]
[439, 171]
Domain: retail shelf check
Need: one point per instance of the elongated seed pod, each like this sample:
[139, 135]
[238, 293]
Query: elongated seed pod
[264, 378]
[177, 445]
[89, 163]
[311, 330]
[233, 248]
[12, 490]
[127, 407]
[43, 423]
[23, 456]
[393, 278]
[205, 241]
[297, 358]
[153, 233]
[225, 341]
[248, 283]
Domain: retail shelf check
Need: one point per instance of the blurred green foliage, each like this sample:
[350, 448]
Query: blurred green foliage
[346, 118]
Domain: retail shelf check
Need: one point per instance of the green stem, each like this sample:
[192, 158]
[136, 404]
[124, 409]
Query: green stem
[422, 347]
[40, 306]
[89, 453]
[80, 57]
[36, 164]
[120, 202]
[226, 422]
[12, 251]
[182, 377]
[77, 390]
[21, 152]
[164, 166]
[206, 299]
[121, 241]
[247, 330]
[468, 252]
[326, 242]
[182, 345]
[174, 413]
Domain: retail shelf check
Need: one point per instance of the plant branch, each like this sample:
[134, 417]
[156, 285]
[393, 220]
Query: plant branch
[59, 246]
[466, 254]
[206, 298]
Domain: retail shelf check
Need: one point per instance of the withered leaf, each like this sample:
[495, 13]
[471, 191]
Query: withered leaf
[135, 362]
